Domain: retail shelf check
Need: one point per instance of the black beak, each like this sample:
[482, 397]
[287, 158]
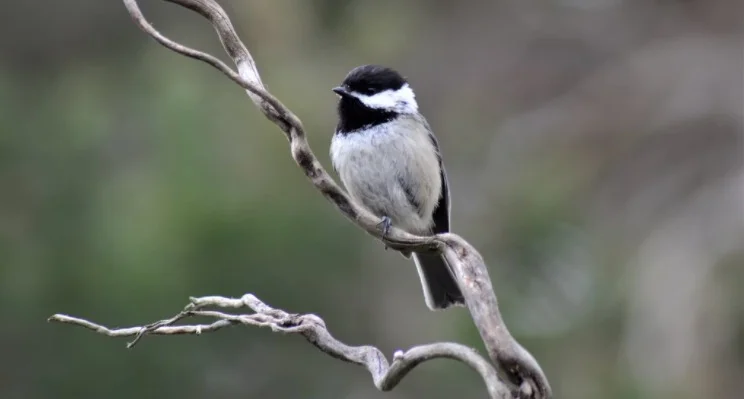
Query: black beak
[341, 91]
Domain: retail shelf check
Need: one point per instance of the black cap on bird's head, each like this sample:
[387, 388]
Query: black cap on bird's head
[370, 79]
[371, 95]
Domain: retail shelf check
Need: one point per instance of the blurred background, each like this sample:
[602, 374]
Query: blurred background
[595, 155]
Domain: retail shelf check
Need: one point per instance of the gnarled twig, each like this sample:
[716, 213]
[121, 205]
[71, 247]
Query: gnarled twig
[385, 375]
[519, 369]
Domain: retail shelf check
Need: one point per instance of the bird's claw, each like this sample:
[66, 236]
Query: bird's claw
[385, 225]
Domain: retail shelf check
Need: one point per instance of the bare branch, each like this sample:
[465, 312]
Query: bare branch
[515, 364]
[385, 375]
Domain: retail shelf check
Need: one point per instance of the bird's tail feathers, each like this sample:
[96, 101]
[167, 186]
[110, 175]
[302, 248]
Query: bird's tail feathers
[440, 287]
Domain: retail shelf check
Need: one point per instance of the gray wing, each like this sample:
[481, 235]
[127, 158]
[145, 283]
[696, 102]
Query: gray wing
[442, 211]
[441, 289]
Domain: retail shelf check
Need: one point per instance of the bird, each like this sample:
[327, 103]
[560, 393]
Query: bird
[389, 161]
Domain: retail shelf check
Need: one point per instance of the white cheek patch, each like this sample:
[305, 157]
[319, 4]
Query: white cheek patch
[402, 100]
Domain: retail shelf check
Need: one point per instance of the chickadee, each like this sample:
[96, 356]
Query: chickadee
[389, 161]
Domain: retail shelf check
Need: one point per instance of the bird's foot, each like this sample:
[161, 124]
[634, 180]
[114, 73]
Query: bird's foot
[385, 225]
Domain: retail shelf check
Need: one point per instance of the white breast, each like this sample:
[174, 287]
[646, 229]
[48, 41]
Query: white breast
[375, 165]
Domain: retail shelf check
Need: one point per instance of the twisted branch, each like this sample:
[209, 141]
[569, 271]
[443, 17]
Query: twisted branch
[519, 372]
[386, 376]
